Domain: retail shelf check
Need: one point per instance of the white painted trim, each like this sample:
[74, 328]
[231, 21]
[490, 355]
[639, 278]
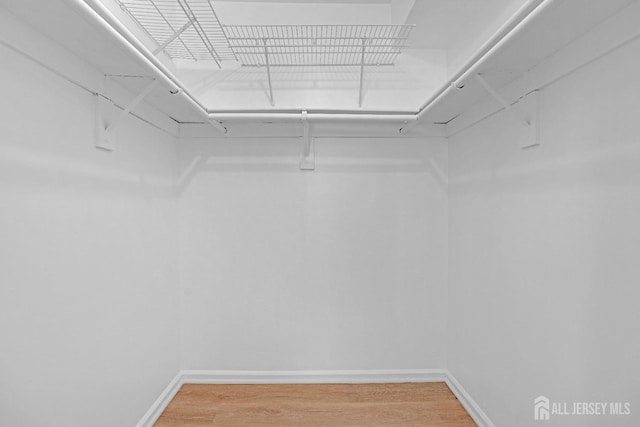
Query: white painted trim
[472, 407]
[156, 409]
[313, 377]
[285, 377]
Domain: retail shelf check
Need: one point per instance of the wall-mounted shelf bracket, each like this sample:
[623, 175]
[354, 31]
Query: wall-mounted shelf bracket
[105, 127]
[307, 155]
[524, 112]
[218, 126]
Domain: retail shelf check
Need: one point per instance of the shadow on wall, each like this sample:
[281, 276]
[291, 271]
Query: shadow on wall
[333, 156]
[87, 171]
[513, 168]
[252, 79]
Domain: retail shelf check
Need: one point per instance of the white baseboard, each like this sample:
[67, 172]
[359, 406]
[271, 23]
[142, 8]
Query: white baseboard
[154, 412]
[314, 377]
[472, 407]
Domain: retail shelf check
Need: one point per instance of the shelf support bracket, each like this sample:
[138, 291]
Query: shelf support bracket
[307, 155]
[364, 42]
[266, 60]
[173, 37]
[106, 128]
[133, 104]
[525, 113]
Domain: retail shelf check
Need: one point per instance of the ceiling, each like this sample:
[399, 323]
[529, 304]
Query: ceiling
[442, 23]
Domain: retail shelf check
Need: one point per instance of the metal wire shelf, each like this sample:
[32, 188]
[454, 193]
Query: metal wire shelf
[317, 45]
[190, 29]
[183, 29]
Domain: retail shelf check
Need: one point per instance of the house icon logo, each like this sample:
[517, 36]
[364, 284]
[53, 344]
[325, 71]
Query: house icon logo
[541, 408]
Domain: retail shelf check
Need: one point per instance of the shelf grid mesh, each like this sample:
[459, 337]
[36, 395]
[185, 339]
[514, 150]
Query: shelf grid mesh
[161, 19]
[317, 45]
[190, 29]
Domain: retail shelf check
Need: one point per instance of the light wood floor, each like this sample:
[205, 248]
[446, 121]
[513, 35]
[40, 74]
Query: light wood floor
[409, 404]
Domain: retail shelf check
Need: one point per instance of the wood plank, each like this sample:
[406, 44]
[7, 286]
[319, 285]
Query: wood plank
[407, 404]
[182, 422]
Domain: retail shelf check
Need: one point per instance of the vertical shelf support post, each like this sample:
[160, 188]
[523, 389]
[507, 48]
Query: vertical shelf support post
[364, 42]
[266, 60]
[307, 155]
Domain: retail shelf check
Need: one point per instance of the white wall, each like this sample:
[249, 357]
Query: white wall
[340, 268]
[404, 87]
[488, 17]
[544, 246]
[88, 276]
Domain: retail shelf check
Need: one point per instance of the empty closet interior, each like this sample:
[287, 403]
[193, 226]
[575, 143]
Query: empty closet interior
[257, 191]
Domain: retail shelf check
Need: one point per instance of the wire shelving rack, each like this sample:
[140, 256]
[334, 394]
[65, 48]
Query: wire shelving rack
[190, 29]
[317, 45]
[183, 29]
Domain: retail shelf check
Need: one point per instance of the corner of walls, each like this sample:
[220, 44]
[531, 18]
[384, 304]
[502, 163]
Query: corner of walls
[467, 401]
[447, 257]
[160, 404]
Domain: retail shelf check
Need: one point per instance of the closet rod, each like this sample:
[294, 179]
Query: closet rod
[295, 116]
